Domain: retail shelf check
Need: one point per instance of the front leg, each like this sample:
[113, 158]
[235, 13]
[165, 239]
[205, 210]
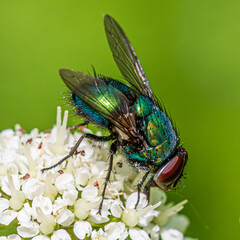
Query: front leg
[113, 150]
[139, 186]
[85, 135]
[148, 186]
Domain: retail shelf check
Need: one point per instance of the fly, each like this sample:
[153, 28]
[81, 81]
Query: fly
[139, 126]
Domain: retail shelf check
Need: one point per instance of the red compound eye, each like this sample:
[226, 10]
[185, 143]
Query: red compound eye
[170, 173]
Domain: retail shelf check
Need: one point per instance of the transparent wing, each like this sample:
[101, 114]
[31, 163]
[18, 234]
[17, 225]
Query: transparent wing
[109, 102]
[126, 58]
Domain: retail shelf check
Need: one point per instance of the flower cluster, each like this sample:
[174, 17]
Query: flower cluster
[62, 203]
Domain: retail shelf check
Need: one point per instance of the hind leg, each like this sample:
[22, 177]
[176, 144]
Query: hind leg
[139, 186]
[85, 135]
[113, 150]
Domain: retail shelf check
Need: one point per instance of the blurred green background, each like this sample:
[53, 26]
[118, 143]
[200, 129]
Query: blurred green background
[191, 55]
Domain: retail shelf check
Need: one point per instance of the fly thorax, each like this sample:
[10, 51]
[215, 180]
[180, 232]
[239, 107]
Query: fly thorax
[143, 107]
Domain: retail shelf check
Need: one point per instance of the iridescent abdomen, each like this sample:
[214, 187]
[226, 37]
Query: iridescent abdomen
[158, 133]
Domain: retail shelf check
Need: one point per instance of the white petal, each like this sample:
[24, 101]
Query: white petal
[7, 217]
[64, 182]
[3, 238]
[12, 168]
[8, 155]
[153, 231]
[88, 152]
[147, 218]
[70, 197]
[13, 237]
[58, 204]
[138, 234]
[33, 188]
[82, 175]
[41, 237]
[44, 203]
[96, 235]
[90, 193]
[23, 216]
[82, 178]
[3, 169]
[82, 208]
[4, 204]
[179, 222]
[116, 230]
[132, 199]
[171, 234]
[28, 229]
[81, 229]
[7, 134]
[65, 217]
[5, 184]
[60, 235]
[116, 209]
[116, 186]
[97, 218]
[98, 168]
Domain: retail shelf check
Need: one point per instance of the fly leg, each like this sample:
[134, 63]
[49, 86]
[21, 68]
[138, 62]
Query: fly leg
[78, 125]
[139, 186]
[148, 186]
[113, 150]
[85, 135]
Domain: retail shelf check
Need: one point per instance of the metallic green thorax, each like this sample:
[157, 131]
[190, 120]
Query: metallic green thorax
[158, 131]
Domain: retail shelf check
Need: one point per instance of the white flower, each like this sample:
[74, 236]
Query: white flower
[43, 203]
[32, 188]
[82, 175]
[47, 221]
[7, 217]
[88, 201]
[4, 204]
[65, 217]
[90, 193]
[98, 168]
[6, 186]
[69, 195]
[116, 209]
[64, 182]
[153, 231]
[171, 234]
[133, 216]
[50, 190]
[82, 229]
[28, 229]
[11, 237]
[97, 218]
[26, 213]
[116, 230]
[98, 235]
[60, 235]
[138, 234]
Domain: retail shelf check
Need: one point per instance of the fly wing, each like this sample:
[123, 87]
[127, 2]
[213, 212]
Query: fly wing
[109, 102]
[126, 58]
